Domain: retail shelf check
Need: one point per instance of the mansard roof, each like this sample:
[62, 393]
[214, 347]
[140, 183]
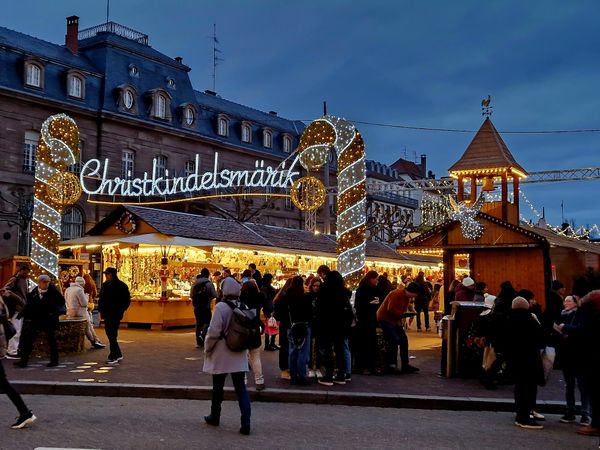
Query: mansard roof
[487, 150]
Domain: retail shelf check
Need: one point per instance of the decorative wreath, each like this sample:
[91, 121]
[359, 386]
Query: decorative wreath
[126, 223]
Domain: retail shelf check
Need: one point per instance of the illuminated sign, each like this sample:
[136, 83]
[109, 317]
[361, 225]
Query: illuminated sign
[95, 180]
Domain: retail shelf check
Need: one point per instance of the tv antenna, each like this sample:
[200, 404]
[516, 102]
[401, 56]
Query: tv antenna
[216, 57]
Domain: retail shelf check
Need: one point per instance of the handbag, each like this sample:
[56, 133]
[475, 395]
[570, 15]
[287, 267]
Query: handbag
[297, 334]
[548, 357]
[9, 328]
[489, 356]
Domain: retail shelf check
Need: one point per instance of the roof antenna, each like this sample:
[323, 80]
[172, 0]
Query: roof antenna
[216, 58]
[324, 108]
[107, 10]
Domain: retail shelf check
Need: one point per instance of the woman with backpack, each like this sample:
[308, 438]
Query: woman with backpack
[220, 360]
[26, 417]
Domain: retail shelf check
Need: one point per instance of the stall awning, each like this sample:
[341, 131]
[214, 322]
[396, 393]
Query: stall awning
[139, 239]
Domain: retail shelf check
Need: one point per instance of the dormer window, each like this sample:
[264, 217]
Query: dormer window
[287, 143]
[75, 84]
[126, 96]
[128, 99]
[133, 71]
[160, 106]
[267, 138]
[170, 83]
[246, 132]
[222, 125]
[34, 74]
[189, 117]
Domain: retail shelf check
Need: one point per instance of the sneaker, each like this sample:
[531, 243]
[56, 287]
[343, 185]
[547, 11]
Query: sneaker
[325, 381]
[529, 424]
[210, 420]
[98, 344]
[23, 421]
[407, 368]
[114, 360]
[260, 387]
[536, 415]
[285, 375]
[339, 379]
[318, 373]
[311, 374]
[568, 418]
[347, 377]
[585, 421]
[12, 356]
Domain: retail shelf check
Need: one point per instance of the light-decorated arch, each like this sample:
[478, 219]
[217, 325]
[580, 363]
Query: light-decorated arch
[313, 151]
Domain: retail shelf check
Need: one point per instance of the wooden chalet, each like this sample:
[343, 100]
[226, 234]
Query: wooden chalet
[527, 256]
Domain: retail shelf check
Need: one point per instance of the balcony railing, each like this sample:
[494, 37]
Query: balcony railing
[115, 28]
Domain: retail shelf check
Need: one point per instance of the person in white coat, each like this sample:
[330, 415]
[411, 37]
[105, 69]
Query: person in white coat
[77, 307]
[219, 360]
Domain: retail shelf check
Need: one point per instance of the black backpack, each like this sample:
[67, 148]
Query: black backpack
[244, 329]
[201, 298]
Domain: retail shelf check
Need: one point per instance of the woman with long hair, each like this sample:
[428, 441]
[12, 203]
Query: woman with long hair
[284, 326]
[366, 302]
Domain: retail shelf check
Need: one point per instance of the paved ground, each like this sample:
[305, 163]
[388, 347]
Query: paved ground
[132, 423]
[170, 358]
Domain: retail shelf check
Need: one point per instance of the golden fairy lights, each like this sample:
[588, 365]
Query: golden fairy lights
[54, 189]
[308, 193]
[314, 148]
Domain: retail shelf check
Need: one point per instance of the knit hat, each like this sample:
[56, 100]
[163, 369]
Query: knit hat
[80, 281]
[520, 303]
[468, 281]
[230, 287]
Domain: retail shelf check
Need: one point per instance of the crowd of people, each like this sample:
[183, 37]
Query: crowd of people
[325, 332]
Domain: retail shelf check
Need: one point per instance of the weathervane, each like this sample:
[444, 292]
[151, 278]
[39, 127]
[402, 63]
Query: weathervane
[486, 109]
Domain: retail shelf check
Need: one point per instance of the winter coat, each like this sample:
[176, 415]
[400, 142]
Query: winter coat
[14, 294]
[569, 349]
[334, 313]
[269, 293]
[76, 300]
[297, 307]
[253, 300]
[590, 331]
[218, 358]
[393, 307]
[44, 307]
[366, 313]
[525, 339]
[3, 342]
[114, 299]
[210, 289]
[463, 294]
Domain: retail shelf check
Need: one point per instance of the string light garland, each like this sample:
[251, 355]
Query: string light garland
[308, 193]
[54, 189]
[315, 144]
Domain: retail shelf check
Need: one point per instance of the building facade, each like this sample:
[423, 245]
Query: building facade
[137, 108]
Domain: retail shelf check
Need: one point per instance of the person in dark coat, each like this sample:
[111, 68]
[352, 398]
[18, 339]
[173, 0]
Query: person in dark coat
[284, 326]
[269, 292]
[422, 300]
[114, 301]
[590, 336]
[255, 274]
[333, 322]
[525, 340]
[366, 302]
[554, 306]
[26, 417]
[569, 351]
[44, 306]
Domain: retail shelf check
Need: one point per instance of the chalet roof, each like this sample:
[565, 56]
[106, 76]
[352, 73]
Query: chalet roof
[225, 231]
[557, 240]
[487, 150]
[410, 168]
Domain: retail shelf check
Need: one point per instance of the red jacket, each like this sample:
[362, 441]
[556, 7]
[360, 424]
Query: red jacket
[393, 307]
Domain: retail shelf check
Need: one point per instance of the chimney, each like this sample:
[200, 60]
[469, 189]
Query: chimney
[423, 165]
[179, 59]
[72, 32]
[273, 113]
[209, 92]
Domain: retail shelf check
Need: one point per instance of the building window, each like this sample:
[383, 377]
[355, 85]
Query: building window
[72, 224]
[170, 83]
[246, 132]
[161, 166]
[189, 116]
[287, 144]
[29, 150]
[127, 164]
[75, 87]
[33, 75]
[223, 126]
[161, 107]
[133, 71]
[190, 168]
[267, 138]
[128, 99]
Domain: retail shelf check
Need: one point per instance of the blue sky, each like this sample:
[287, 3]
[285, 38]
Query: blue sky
[396, 62]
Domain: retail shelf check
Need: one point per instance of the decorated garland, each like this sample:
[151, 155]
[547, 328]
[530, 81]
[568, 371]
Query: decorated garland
[314, 148]
[54, 189]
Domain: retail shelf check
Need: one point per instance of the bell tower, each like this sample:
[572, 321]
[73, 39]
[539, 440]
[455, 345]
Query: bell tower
[486, 162]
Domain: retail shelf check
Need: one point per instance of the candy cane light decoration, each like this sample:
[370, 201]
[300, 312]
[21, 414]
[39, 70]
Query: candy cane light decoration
[54, 189]
[313, 150]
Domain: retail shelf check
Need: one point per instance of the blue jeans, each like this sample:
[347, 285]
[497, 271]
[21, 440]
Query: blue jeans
[395, 337]
[571, 377]
[240, 390]
[298, 358]
[347, 357]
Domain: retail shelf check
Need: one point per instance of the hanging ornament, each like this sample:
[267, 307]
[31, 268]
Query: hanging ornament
[308, 193]
[469, 226]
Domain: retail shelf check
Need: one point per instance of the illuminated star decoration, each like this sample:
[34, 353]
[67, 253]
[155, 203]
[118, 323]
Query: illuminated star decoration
[470, 228]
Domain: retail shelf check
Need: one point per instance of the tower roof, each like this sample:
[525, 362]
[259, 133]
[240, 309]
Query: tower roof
[487, 150]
